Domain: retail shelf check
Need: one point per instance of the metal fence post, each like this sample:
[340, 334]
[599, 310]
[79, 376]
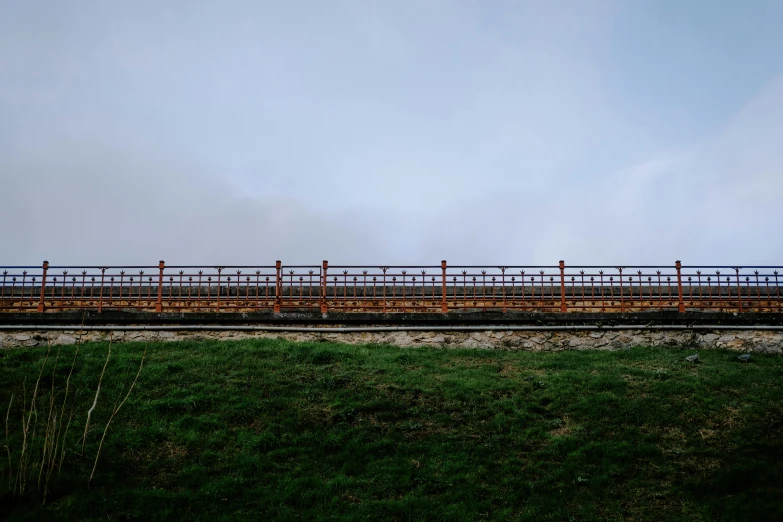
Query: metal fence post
[323, 286]
[278, 286]
[739, 289]
[41, 306]
[680, 302]
[100, 292]
[217, 304]
[159, 302]
[563, 306]
[444, 307]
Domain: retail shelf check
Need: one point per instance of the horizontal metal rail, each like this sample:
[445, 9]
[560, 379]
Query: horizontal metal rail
[391, 289]
[342, 329]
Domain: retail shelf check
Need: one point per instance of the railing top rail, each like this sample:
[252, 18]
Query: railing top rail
[378, 265]
[381, 267]
[99, 267]
[221, 267]
[567, 265]
[733, 267]
[503, 266]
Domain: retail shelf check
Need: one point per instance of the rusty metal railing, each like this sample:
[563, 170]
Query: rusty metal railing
[390, 289]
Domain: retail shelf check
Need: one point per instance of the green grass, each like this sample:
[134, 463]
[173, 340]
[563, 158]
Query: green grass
[276, 430]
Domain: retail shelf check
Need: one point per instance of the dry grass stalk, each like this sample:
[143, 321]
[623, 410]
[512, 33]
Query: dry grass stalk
[67, 388]
[97, 392]
[8, 443]
[51, 422]
[60, 434]
[53, 436]
[114, 412]
[23, 470]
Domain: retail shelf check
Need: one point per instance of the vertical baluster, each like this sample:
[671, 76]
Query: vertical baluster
[720, 294]
[111, 291]
[364, 287]
[584, 298]
[464, 288]
[73, 292]
[611, 290]
[45, 270]
[563, 306]
[484, 288]
[100, 292]
[266, 291]
[122, 284]
[209, 291]
[758, 289]
[503, 286]
[513, 292]
[324, 281]
[766, 280]
[680, 302]
[404, 274]
[522, 279]
[2, 289]
[384, 289]
[13, 291]
[641, 290]
[258, 276]
[21, 290]
[219, 287]
[54, 295]
[310, 284]
[413, 293]
[198, 291]
[179, 292]
[444, 305]
[81, 294]
[728, 290]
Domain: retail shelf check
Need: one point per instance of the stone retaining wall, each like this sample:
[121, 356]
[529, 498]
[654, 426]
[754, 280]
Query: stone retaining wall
[739, 340]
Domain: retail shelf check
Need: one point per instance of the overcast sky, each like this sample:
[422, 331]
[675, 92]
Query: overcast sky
[394, 132]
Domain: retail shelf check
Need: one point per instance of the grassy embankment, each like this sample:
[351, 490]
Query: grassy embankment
[276, 430]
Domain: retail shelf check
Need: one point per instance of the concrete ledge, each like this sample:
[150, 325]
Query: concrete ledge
[745, 339]
[653, 318]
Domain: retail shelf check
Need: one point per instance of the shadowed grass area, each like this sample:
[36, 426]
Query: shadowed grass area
[277, 430]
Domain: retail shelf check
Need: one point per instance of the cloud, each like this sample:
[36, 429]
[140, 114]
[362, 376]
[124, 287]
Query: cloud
[460, 131]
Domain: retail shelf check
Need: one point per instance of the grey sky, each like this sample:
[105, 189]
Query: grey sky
[597, 132]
